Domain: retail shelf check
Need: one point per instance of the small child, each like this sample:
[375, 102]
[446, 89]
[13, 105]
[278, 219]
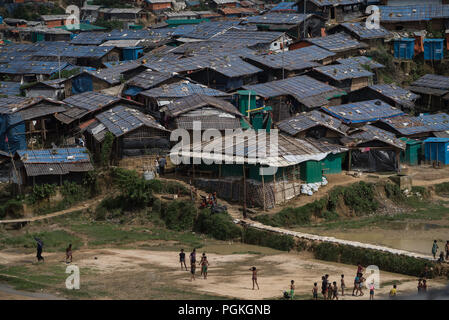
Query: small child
[371, 291]
[342, 284]
[393, 292]
[315, 291]
[292, 289]
[335, 291]
[330, 292]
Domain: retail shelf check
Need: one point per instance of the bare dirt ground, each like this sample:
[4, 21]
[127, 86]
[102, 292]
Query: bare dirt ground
[124, 274]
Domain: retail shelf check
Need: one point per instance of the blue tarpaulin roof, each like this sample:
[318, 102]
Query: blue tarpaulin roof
[285, 6]
[434, 139]
[58, 155]
[364, 111]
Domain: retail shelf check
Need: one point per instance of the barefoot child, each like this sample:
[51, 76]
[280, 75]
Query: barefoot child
[292, 289]
[254, 277]
[371, 291]
[204, 265]
[335, 291]
[315, 291]
[342, 284]
[182, 259]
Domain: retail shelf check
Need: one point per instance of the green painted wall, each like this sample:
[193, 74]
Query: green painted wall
[312, 171]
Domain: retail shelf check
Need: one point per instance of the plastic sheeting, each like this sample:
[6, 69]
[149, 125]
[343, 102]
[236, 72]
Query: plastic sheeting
[82, 83]
[374, 160]
[12, 133]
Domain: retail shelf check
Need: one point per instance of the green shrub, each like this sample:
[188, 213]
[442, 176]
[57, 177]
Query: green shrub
[42, 191]
[394, 193]
[90, 182]
[218, 225]
[12, 208]
[359, 197]
[106, 149]
[135, 191]
[179, 215]
[268, 239]
[384, 260]
[442, 188]
[171, 187]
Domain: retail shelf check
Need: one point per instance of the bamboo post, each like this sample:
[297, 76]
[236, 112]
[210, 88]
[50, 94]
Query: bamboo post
[263, 191]
[349, 158]
[274, 188]
[244, 191]
[294, 179]
[283, 184]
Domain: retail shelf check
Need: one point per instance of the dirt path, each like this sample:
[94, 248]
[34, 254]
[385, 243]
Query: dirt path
[81, 206]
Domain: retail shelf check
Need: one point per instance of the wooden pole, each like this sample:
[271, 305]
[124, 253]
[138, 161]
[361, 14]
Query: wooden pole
[263, 191]
[283, 184]
[349, 158]
[294, 179]
[274, 188]
[244, 191]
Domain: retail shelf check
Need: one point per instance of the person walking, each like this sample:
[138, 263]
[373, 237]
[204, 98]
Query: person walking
[39, 249]
[204, 266]
[162, 163]
[68, 254]
[342, 284]
[434, 249]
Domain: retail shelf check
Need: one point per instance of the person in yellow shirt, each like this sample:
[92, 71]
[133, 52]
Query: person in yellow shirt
[393, 292]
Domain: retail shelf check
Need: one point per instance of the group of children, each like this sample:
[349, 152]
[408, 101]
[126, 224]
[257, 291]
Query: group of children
[204, 263]
[330, 290]
[442, 256]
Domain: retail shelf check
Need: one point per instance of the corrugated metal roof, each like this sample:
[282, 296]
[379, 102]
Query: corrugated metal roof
[436, 122]
[370, 133]
[193, 102]
[70, 51]
[90, 100]
[401, 96]
[33, 67]
[300, 87]
[416, 12]
[248, 37]
[121, 120]
[432, 81]
[149, 79]
[361, 61]
[309, 120]
[12, 104]
[9, 88]
[286, 151]
[295, 59]
[278, 18]
[208, 122]
[363, 33]
[206, 30]
[181, 89]
[407, 125]
[113, 75]
[344, 71]
[337, 42]
[57, 155]
[324, 3]
[364, 111]
[285, 6]
[228, 65]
